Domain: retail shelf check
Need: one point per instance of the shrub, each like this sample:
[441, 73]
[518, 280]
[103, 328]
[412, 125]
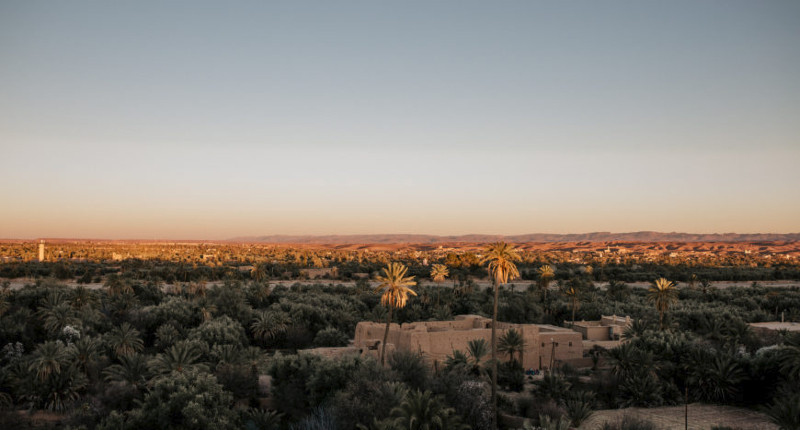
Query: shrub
[410, 368]
[331, 337]
[629, 422]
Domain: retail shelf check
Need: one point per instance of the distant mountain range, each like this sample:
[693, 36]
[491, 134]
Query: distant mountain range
[639, 236]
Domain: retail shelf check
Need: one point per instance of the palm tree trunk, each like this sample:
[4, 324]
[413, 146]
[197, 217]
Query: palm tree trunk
[573, 313]
[386, 336]
[494, 356]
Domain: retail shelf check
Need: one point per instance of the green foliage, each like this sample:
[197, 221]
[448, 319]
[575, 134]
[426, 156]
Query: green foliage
[125, 340]
[301, 382]
[185, 400]
[579, 406]
[330, 337]
[715, 377]
[179, 358]
[220, 331]
[511, 376]
[410, 368]
[785, 410]
[270, 324]
[368, 396]
[132, 369]
[629, 422]
[511, 343]
[422, 410]
[789, 357]
[552, 386]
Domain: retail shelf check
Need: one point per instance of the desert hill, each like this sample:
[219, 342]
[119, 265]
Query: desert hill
[640, 236]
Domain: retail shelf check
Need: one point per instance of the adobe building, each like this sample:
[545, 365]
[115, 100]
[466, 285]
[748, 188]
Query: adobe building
[545, 345]
[608, 328]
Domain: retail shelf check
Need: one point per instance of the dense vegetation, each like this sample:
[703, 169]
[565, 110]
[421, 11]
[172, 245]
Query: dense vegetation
[139, 354]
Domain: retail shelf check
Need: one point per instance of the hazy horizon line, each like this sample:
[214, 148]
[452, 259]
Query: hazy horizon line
[261, 237]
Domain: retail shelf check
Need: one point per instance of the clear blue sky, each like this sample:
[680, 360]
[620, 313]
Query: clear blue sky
[208, 120]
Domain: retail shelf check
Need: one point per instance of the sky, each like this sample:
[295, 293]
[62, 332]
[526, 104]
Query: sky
[213, 120]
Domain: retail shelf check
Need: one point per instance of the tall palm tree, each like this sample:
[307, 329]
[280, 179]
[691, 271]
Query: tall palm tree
[4, 303]
[574, 293]
[546, 274]
[618, 291]
[663, 294]
[512, 343]
[501, 257]
[258, 272]
[439, 272]
[394, 289]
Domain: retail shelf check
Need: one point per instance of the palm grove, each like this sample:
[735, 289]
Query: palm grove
[137, 354]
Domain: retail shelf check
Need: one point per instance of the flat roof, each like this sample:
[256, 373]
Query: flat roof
[776, 325]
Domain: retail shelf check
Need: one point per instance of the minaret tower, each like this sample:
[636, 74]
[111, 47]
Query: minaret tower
[41, 250]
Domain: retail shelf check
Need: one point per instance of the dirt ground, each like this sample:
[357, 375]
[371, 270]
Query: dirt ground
[701, 417]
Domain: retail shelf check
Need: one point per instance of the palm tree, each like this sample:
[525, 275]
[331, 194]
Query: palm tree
[4, 304]
[692, 280]
[57, 317]
[132, 369]
[125, 340]
[394, 290]
[82, 296]
[269, 324]
[178, 358]
[117, 286]
[617, 291]
[501, 257]
[635, 330]
[716, 378]
[789, 357]
[512, 343]
[48, 359]
[662, 293]
[574, 293]
[477, 349]
[258, 272]
[439, 272]
[785, 410]
[84, 352]
[424, 411]
[705, 285]
[62, 389]
[197, 289]
[546, 274]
